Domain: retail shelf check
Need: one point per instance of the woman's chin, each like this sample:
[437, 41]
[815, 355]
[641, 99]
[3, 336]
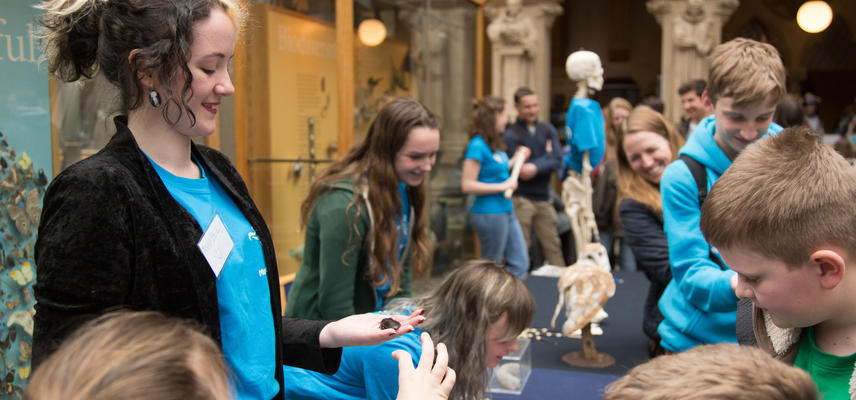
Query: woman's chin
[654, 180]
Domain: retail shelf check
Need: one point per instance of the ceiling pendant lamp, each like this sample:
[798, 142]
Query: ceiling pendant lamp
[371, 32]
[814, 16]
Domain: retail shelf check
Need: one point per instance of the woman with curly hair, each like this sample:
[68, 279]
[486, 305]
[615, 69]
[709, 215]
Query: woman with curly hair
[156, 222]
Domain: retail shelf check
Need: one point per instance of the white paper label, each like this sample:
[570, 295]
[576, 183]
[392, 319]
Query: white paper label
[216, 244]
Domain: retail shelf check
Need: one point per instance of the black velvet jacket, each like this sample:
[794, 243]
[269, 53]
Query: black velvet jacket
[112, 236]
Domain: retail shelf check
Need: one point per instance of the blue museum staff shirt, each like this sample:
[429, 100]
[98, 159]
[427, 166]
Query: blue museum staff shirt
[243, 294]
[494, 169]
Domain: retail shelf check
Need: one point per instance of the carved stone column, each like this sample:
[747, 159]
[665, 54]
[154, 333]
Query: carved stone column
[691, 29]
[442, 43]
[520, 47]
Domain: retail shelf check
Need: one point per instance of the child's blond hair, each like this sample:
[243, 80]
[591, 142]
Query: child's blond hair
[714, 372]
[784, 197]
[133, 355]
[747, 71]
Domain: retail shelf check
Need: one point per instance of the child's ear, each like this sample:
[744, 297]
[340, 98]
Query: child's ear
[705, 99]
[830, 267]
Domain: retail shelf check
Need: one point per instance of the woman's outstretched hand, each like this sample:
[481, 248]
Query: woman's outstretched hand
[425, 382]
[366, 329]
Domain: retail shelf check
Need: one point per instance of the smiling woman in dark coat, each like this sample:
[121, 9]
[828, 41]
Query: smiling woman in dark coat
[644, 149]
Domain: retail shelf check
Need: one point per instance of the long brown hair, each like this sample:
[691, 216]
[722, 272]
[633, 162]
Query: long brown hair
[370, 166]
[131, 355]
[460, 311]
[631, 184]
[483, 121]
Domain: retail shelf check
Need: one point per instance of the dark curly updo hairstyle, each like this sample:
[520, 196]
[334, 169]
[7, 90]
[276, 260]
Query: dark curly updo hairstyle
[119, 38]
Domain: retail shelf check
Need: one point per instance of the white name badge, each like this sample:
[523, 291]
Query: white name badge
[216, 244]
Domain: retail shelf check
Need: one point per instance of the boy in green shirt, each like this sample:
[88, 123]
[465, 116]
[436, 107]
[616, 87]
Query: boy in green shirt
[783, 218]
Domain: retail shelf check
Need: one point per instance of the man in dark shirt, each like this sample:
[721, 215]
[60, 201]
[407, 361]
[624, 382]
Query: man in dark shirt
[531, 199]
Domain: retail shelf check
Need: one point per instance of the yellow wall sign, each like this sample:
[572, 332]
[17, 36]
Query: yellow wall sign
[292, 116]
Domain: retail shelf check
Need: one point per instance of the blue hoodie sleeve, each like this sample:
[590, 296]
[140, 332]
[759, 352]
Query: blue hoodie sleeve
[700, 280]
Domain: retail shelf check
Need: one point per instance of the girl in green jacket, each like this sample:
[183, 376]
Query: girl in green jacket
[366, 214]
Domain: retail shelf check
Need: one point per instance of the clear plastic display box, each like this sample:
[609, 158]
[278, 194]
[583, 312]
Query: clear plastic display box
[513, 371]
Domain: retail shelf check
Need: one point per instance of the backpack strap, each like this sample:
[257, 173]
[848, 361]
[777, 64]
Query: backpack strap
[699, 173]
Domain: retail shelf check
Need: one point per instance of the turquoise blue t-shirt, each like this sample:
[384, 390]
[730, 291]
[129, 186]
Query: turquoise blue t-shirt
[585, 120]
[402, 227]
[494, 169]
[830, 373]
[365, 372]
[243, 294]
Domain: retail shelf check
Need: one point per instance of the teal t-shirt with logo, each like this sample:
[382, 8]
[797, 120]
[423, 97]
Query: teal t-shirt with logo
[243, 294]
[830, 373]
[493, 169]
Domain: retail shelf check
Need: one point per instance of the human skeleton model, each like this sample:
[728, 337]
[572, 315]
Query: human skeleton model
[576, 194]
[584, 68]
[585, 286]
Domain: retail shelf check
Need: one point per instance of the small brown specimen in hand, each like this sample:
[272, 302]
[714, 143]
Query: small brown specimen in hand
[389, 323]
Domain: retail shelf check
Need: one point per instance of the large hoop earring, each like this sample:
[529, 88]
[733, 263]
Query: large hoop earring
[154, 98]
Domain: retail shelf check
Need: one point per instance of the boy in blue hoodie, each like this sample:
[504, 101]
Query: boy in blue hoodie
[745, 83]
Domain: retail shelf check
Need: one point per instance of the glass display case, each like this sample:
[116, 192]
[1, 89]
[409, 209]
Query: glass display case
[512, 372]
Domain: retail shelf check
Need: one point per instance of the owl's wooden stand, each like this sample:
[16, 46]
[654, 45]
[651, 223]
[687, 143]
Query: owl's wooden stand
[589, 356]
